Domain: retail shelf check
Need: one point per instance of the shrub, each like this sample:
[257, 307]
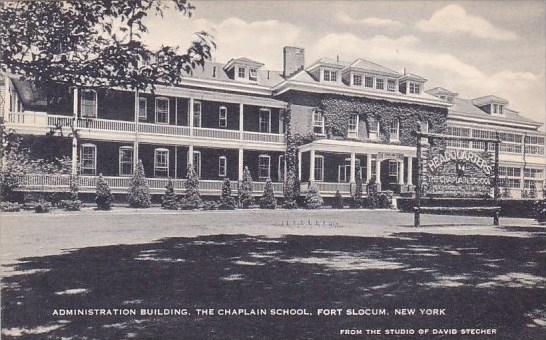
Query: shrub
[211, 205]
[42, 207]
[70, 205]
[103, 195]
[168, 201]
[193, 198]
[227, 202]
[139, 192]
[246, 199]
[10, 206]
[384, 200]
[540, 210]
[313, 200]
[268, 201]
[338, 201]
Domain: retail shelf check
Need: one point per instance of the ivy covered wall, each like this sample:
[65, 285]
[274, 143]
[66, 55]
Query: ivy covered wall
[337, 109]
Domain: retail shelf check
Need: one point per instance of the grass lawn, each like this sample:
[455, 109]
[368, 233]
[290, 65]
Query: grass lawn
[483, 276]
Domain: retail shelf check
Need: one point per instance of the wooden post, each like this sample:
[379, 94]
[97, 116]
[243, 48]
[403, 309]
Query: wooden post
[417, 207]
[496, 188]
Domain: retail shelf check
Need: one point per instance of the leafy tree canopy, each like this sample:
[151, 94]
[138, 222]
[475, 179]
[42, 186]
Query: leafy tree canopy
[96, 43]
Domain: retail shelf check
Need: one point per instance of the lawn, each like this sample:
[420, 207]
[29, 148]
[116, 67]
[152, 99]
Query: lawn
[483, 276]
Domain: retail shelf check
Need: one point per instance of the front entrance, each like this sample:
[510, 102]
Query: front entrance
[389, 174]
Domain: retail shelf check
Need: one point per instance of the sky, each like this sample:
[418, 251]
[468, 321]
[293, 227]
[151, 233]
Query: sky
[474, 48]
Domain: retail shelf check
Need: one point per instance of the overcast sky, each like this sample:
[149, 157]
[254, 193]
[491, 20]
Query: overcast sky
[474, 48]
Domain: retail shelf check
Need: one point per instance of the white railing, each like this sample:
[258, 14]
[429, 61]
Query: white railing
[106, 124]
[56, 120]
[174, 130]
[258, 187]
[27, 118]
[216, 133]
[328, 187]
[263, 137]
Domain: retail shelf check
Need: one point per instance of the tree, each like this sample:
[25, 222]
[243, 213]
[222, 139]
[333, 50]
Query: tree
[193, 198]
[103, 195]
[246, 199]
[96, 43]
[73, 204]
[227, 202]
[313, 200]
[169, 201]
[268, 201]
[291, 183]
[139, 191]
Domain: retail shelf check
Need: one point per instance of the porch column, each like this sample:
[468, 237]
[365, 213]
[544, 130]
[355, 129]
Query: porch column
[353, 163]
[281, 121]
[135, 155]
[74, 139]
[175, 160]
[190, 118]
[299, 165]
[312, 166]
[401, 171]
[378, 171]
[241, 122]
[241, 167]
[190, 155]
[368, 167]
[410, 170]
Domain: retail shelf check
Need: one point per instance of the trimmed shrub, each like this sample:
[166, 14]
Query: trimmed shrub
[139, 191]
[10, 206]
[193, 198]
[103, 195]
[313, 200]
[268, 201]
[246, 199]
[71, 205]
[227, 202]
[211, 205]
[42, 207]
[338, 201]
[168, 200]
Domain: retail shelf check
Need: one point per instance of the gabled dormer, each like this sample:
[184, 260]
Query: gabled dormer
[411, 84]
[243, 69]
[327, 71]
[442, 93]
[491, 104]
[368, 75]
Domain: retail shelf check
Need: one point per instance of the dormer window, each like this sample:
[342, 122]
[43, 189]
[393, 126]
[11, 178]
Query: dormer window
[414, 88]
[253, 74]
[330, 75]
[500, 109]
[391, 85]
[357, 80]
[368, 81]
[380, 83]
[241, 72]
[496, 109]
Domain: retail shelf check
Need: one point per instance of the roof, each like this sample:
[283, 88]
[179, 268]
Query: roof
[242, 60]
[31, 96]
[366, 65]
[217, 71]
[466, 107]
[412, 76]
[329, 62]
[441, 91]
[489, 99]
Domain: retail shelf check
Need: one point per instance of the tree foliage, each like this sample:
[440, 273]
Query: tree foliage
[268, 201]
[169, 200]
[103, 195]
[313, 199]
[97, 43]
[139, 191]
[193, 198]
[227, 202]
[246, 198]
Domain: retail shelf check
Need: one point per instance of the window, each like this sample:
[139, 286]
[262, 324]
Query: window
[253, 74]
[494, 108]
[394, 130]
[161, 163]
[459, 132]
[352, 130]
[197, 162]
[88, 104]
[506, 171]
[414, 88]
[88, 161]
[162, 110]
[509, 182]
[391, 85]
[330, 75]
[241, 72]
[368, 82]
[380, 83]
[357, 80]
[265, 120]
[222, 117]
[393, 168]
[197, 114]
[125, 160]
[373, 128]
[533, 173]
[222, 166]
[319, 168]
[264, 166]
[500, 109]
[344, 170]
[318, 122]
[142, 108]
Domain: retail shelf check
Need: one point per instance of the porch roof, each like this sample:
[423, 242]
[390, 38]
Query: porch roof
[349, 146]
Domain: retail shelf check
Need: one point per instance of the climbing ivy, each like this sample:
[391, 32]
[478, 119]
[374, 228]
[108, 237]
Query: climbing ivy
[337, 110]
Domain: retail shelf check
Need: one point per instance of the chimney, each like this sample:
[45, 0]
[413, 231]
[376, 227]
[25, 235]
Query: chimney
[293, 60]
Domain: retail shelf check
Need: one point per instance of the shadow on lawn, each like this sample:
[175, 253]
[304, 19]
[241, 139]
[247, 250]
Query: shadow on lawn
[482, 281]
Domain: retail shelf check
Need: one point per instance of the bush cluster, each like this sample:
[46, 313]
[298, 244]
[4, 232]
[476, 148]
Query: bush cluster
[10, 206]
[103, 195]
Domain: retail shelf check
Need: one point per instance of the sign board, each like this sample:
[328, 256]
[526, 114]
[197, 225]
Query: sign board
[390, 155]
[457, 173]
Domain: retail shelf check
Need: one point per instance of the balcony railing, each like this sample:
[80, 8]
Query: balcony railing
[328, 188]
[118, 184]
[43, 120]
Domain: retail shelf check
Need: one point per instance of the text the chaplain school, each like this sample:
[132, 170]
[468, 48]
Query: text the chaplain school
[247, 312]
